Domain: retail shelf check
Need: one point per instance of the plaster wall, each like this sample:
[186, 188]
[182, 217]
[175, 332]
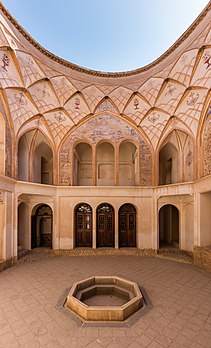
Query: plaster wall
[188, 240]
[205, 219]
[63, 201]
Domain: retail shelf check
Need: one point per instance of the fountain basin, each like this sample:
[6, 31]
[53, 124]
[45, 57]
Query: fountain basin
[103, 298]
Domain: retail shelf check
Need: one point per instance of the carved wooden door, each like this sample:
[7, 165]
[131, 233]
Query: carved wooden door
[83, 225]
[127, 226]
[105, 226]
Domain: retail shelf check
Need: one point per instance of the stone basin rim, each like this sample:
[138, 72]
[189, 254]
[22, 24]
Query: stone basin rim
[104, 313]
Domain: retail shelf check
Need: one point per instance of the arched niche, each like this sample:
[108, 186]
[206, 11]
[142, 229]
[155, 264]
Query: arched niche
[23, 159]
[168, 164]
[105, 164]
[2, 145]
[168, 226]
[128, 164]
[42, 164]
[82, 165]
[35, 158]
[176, 158]
[110, 129]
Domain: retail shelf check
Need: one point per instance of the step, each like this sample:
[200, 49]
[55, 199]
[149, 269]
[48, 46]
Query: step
[177, 257]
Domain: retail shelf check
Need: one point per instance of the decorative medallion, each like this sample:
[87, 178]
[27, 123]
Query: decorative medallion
[20, 99]
[106, 106]
[39, 122]
[59, 116]
[193, 97]
[153, 117]
[43, 91]
[170, 90]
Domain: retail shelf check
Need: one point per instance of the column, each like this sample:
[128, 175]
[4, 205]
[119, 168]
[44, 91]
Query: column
[94, 165]
[94, 229]
[116, 164]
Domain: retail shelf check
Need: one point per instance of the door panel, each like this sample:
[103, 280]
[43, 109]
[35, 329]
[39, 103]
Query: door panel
[83, 229]
[105, 226]
[127, 226]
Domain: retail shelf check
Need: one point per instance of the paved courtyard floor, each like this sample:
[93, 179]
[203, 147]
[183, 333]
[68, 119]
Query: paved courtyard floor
[178, 296]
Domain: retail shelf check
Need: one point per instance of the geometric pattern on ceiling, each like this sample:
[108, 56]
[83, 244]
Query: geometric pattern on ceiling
[41, 93]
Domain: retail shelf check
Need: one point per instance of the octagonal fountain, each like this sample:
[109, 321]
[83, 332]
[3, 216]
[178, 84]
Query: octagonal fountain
[104, 299]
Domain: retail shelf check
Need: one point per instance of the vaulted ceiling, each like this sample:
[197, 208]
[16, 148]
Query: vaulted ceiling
[40, 90]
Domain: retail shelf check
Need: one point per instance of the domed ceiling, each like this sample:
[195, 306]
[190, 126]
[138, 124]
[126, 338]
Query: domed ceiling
[40, 90]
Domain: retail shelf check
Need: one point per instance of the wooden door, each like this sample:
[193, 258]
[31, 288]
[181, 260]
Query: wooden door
[127, 226]
[83, 229]
[83, 225]
[105, 226]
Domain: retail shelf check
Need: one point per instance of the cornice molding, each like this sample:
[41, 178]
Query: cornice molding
[80, 69]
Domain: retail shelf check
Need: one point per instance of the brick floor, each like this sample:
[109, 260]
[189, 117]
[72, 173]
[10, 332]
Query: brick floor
[179, 294]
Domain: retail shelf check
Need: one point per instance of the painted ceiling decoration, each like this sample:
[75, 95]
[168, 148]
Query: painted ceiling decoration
[42, 91]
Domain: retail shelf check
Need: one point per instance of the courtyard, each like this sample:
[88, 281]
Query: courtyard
[177, 314]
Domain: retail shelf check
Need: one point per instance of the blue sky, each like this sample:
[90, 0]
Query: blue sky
[106, 35]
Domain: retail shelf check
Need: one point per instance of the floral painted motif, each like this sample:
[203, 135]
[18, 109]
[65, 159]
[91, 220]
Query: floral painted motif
[207, 59]
[6, 62]
[153, 117]
[20, 99]
[192, 99]
[59, 117]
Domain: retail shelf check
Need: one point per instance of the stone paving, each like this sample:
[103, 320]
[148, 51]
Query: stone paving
[30, 292]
